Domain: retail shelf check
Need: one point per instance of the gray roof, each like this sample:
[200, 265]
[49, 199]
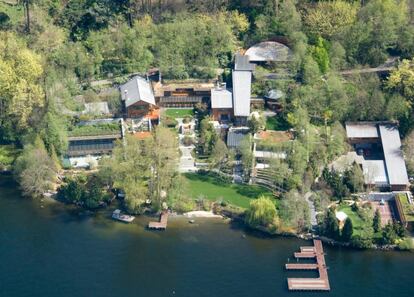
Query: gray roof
[235, 137]
[242, 63]
[221, 98]
[362, 130]
[269, 51]
[137, 89]
[374, 172]
[242, 81]
[394, 160]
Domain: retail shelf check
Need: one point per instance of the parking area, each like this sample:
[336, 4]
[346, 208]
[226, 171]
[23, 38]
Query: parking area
[386, 211]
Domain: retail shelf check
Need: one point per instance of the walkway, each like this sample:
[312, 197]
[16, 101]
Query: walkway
[187, 161]
[312, 210]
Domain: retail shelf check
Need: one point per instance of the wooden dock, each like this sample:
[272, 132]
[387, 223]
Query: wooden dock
[310, 284]
[161, 224]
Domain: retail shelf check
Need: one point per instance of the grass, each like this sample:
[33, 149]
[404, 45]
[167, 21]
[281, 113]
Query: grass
[277, 123]
[357, 221]
[407, 208]
[214, 189]
[93, 130]
[179, 112]
[15, 12]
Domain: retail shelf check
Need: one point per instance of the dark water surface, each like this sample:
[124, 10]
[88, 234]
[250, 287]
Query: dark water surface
[58, 252]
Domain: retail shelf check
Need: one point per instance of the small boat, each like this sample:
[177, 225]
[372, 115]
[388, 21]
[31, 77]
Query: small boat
[116, 215]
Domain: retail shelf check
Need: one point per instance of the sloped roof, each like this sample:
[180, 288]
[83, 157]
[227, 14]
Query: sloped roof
[242, 81]
[242, 63]
[135, 90]
[221, 98]
[269, 51]
[394, 160]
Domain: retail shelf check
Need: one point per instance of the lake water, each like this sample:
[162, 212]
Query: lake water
[56, 251]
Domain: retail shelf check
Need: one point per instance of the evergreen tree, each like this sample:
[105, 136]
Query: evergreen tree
[347, 230]
[331, 228]
[389, 236]
[376, 222]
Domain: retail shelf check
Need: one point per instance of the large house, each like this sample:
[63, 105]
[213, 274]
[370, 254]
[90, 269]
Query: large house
[234, 103]
[222, 104]
[378, 147]
[138, 97]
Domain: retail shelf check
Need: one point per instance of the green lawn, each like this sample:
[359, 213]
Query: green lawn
[15, 12]
[179, 112]
[277, 123]
[93, 130]
[357, 221]
[213, 189]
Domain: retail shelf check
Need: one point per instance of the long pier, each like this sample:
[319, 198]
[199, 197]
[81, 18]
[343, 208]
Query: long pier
[162, 224]
[310, 284]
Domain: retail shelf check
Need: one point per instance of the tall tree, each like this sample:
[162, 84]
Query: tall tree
[347, 230]
[376, 221]
[219, 155]
[129, 169]
[331, 226]
[164, 163]
[35, 170]
[261, 212]
[329, 18]
[21, 92]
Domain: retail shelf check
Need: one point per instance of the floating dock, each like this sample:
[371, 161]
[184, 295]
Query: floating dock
[162, 224]
[310, 284]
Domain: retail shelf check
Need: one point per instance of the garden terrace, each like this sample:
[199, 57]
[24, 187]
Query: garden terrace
[95, 130]
[405, 209]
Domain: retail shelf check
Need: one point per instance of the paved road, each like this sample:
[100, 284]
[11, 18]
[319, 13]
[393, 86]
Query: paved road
[389, 65]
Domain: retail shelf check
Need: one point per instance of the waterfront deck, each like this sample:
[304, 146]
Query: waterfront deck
[310, 284]
[162, 224]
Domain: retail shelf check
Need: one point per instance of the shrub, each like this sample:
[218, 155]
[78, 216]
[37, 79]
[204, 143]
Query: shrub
[187, 140]
[187, 119]
[170, 122]
[184, 205]
[406, 244]
[361, 242]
